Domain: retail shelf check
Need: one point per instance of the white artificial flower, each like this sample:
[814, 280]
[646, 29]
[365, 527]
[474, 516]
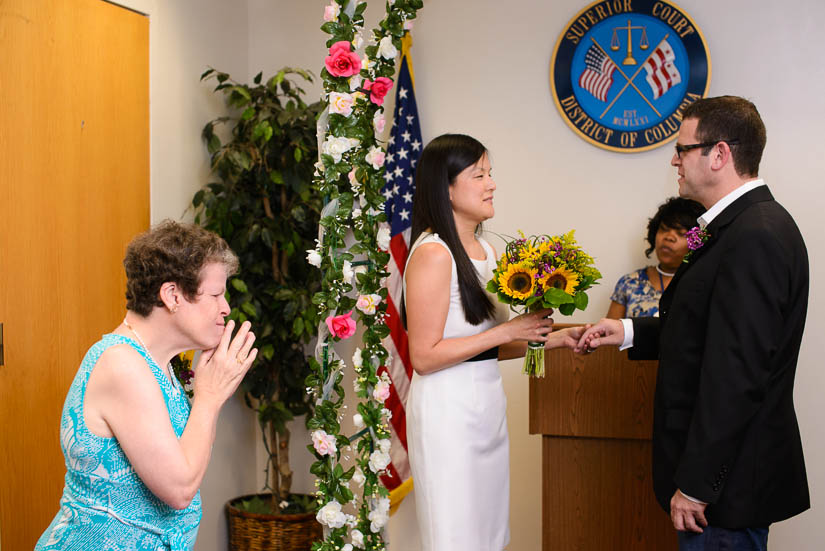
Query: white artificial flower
[379, 460]
[356, 213]
[331, 515]
[358, 421]
[348, 271]
[355, 82]
[379, 515]
[376, 157]
[358, 477]
[384, 238]
[347, 547]
[386, 49]
[357, 538]
[336, 147]
[341, 103]
[368, 303]
[386, 413]
[283, 504]
[357, 41]
[314, 257]
[360, 269]
[357, 359]
[384, 445]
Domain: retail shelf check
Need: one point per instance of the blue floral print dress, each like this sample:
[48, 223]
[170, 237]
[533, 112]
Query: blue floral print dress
[105, 506]
[637, 294]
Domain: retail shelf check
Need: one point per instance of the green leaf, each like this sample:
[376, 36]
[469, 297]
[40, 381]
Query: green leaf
[580, 300]
[207, 73]
[297, 326]
[214, 144]
[257, 79]
[239, 285]
[267, 351]
[276, 177]
[248, 113]
[298, 154]
[567, 309]
[249, 308]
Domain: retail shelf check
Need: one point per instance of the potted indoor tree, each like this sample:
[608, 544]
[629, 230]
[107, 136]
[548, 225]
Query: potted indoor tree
[264, 205]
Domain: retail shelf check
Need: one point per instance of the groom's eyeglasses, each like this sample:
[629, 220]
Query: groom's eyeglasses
[684, 148]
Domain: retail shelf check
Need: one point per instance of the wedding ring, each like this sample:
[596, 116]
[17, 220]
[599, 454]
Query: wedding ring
[237, 359]
[589, 350]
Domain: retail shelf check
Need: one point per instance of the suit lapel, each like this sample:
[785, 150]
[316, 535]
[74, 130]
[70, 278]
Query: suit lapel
[715, 229]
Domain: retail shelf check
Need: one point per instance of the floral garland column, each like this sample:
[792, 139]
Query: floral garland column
[350, 177]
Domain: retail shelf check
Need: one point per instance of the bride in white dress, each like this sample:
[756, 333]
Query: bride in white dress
[456, 409]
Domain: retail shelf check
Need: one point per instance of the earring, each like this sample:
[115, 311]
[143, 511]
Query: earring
[174, 309]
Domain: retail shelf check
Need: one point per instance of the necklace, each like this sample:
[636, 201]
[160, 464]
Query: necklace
[661, 272]
[146, 348]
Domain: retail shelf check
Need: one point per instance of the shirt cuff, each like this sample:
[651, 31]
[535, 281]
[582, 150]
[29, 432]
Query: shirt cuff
[628, 334]
[693, 499]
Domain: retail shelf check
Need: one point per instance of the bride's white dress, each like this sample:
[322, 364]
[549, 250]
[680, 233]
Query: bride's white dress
[457, 438]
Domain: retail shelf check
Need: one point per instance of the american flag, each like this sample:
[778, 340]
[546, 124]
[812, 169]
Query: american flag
[597, 76]
[403, 151]
[662, 74]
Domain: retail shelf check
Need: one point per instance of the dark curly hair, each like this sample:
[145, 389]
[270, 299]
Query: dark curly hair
[676, 212]
[171, 252]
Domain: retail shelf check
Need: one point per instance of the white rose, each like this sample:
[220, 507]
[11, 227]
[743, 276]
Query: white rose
[386, 413]
[336, 147]
[384, 238]
[384, 445]
[376, 157]
[357, 41]
[386, 49]
[348, 271]
[355, 82]
[358, 421]
[356, 213]
[379, 460]
[357, 538]
[314, 257]
[358, 477]
[341, 103]
[360, 269]
[331, 515]
[347, 547]
[357, 359]
[379, 515]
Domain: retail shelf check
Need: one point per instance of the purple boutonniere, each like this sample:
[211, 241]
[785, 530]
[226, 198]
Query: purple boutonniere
[696, 239]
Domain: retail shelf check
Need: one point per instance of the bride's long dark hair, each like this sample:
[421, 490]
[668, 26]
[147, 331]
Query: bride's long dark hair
[441, 161]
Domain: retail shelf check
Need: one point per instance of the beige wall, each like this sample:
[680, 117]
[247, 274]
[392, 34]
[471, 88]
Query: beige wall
[482, 68]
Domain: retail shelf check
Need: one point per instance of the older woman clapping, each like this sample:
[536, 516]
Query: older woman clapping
[136, 450]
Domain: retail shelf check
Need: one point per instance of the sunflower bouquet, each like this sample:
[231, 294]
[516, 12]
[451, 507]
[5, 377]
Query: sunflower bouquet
[543, 272]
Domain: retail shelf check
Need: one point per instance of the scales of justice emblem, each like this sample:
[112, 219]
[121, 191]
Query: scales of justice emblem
[623, 70]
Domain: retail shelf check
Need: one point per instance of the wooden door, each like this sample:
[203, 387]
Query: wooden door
[74, 189]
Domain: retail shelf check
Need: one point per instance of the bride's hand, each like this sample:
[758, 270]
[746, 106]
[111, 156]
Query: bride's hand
[532, 327]
[568, 338]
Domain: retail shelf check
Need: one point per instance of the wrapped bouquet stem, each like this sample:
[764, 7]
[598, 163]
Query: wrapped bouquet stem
[543, 271]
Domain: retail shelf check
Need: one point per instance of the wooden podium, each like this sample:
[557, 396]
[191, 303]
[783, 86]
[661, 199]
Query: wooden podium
[595, 415]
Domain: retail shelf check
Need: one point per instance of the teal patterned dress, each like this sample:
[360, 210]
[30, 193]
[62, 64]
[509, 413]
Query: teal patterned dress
[105, 506]
[638, 295]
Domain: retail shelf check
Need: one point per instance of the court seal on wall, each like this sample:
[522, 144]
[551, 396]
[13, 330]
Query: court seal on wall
[623, 71]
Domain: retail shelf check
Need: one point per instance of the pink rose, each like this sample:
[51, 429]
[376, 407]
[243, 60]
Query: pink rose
[342, 61]
[378, 122]
[324, 443]
[381, 391]
[342, 326]
[331, 12]
[378, 89]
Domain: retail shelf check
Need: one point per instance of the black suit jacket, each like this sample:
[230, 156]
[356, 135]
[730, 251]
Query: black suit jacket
[727, 341]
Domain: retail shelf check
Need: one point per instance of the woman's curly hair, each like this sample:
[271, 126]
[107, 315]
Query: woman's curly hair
[676, 212]
[171, 252]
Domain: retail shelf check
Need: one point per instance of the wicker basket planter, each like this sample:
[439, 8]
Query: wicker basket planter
[257, 532]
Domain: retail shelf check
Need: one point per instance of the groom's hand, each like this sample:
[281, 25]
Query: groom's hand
[606, 332]
[687, 515]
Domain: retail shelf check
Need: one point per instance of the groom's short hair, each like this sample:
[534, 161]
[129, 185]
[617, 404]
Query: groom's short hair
[726, 118]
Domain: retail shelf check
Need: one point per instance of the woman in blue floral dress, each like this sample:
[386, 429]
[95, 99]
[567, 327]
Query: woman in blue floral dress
[135, 449]
[637, 293]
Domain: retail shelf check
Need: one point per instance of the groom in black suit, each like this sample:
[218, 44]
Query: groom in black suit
[727, 454]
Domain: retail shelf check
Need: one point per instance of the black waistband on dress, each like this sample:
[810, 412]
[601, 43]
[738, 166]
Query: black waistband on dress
[491, 354]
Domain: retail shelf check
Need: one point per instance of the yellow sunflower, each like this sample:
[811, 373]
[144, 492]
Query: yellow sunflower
[519, 281]
[561, 278]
